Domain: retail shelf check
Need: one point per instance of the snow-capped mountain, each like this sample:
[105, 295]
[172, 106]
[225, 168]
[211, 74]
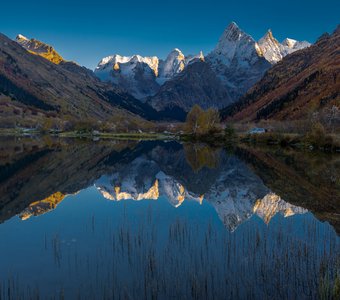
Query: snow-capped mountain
[127, 63]
[291, 45]
[136, 74]
[270, 48]
[235, 44]
[231, 69]
[142, 76]
[175, 64]
[273, 51]
[172, 65]
[238, 61]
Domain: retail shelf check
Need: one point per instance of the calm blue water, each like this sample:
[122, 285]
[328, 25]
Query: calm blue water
[153, 223]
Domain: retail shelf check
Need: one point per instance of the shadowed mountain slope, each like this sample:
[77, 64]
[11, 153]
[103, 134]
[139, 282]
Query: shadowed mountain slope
[64, 90]
[304, 82]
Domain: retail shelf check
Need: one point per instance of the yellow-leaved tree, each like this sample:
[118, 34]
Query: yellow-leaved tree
[200, 122]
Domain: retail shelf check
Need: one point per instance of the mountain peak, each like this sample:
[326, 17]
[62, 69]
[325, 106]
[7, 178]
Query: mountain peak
[176, 50]
[136, 73]
[273, 51]
[21, 37]
[201, 56]
[232, 32]
[235, 43]
[176, 54]
[233, 26]
[174, 63]
[290, 43]
[39, 48]
[269, 34]
[268, 37]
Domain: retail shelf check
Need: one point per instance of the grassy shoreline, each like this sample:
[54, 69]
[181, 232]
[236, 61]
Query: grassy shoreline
[293, 140]
[329, 143]
[129, 136]
[90, 135]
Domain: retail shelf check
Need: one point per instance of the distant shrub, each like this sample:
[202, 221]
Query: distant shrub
[83, 127]
[316, 136]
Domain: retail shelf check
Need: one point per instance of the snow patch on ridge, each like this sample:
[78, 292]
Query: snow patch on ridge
[143, 76]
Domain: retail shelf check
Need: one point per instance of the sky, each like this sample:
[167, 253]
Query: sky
[86, 31]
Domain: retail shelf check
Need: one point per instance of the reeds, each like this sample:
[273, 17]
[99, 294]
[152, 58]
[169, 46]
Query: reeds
[152, 257]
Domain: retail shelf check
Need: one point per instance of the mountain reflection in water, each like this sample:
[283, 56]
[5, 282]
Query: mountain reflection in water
[188, 221]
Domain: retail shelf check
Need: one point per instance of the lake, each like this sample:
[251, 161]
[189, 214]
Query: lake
[105, 219]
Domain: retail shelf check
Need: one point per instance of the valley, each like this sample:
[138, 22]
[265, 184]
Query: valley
[288, 88]
[159, 150]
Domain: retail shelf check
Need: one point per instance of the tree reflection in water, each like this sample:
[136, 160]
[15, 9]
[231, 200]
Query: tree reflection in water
[220, 226]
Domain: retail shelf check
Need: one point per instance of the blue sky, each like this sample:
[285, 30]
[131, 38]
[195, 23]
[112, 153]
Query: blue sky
[86, 31]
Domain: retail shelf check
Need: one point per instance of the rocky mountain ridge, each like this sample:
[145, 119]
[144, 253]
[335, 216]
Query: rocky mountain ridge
[37, 47]
[301, 84]
[273, 51]
[36, 88]
[236, 63]
[143, 76]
